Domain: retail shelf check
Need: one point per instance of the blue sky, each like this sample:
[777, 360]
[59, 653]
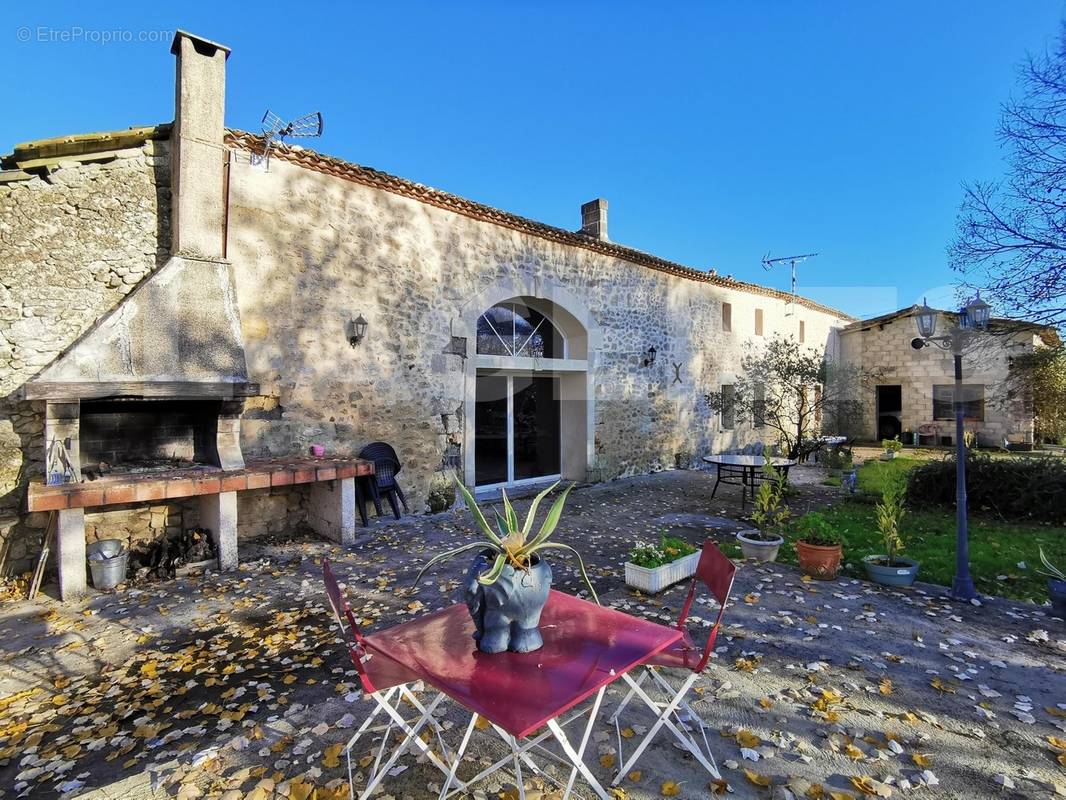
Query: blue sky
[717, 132]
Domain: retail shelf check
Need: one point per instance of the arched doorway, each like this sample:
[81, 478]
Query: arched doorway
[528, 406]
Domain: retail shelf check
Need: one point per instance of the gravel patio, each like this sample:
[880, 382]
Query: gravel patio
[234, 685]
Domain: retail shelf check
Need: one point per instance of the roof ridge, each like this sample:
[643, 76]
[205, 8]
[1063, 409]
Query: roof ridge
[368, 176]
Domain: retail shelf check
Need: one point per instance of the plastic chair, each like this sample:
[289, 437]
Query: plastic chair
[383, 483]
[388, 683]
[715, 572]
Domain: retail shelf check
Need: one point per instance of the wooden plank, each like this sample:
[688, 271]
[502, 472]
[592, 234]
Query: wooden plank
[41, 390]
[42, 561]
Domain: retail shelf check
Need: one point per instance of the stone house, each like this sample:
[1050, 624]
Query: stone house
[167, 292]
[912, 392]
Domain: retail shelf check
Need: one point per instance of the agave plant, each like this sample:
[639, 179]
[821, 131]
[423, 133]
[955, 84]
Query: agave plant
[1050, 569]
[512, 542]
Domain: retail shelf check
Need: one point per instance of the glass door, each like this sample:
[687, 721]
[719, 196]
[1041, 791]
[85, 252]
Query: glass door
[516, 429]
[491, 430]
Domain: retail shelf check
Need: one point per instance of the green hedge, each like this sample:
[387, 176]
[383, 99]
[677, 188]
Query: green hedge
[1009, 488]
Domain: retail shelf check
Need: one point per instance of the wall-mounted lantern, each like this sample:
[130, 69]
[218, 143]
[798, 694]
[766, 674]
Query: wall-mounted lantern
[649, 356]
[357, 330]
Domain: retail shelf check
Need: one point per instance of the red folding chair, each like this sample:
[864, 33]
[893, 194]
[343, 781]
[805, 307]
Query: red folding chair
[716, 573]
[387, 683]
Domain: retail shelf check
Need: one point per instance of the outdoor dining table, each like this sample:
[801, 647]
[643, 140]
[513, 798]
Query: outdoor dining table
[743, 471]
[586, 648]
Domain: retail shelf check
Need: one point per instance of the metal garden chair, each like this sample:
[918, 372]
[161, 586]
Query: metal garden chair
[383, 483]
[715, 572]
[388, 683]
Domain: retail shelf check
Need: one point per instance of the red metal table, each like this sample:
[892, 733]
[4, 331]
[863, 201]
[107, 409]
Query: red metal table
[586, 647]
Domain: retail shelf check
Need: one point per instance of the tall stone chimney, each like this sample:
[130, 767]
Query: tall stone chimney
[196, 150]
[594, 218]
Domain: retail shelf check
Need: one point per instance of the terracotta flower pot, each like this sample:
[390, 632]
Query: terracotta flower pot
[819, 562]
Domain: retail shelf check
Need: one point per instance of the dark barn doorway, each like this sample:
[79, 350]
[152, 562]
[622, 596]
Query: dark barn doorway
[889, 412]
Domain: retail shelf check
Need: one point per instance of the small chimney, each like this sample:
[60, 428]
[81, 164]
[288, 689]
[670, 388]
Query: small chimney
[594, 219]
[196, 150]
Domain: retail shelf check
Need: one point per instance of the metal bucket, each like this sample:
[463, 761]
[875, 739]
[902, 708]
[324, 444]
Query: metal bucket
[107, 563]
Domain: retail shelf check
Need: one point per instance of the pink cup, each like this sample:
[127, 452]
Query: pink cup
[318, 450]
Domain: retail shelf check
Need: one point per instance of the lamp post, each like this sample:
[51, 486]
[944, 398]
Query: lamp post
[973, 319]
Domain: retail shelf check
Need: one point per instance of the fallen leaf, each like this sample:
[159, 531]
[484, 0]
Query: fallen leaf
[747, 739]
[922, 760]
[331, 755]
[670, 789]
[607, 761]
[940, 686]
[627, 733]
[756, 778]
[635, 776]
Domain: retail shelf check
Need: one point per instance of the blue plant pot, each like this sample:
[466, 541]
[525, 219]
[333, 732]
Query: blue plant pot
[1057, 591]
[506, 613]
[902, 573]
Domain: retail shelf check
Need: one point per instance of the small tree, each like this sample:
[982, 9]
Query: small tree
[796, 392]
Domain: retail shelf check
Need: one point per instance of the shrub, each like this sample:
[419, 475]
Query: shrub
[770, 509]
[815, 528]
[1010, 488]
[889, 516]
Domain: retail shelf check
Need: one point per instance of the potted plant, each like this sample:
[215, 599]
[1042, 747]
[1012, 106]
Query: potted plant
[838, 459]
[771, 512]
[891, 448]
[819, 546]
[507, 585]
[1056, 585]
[652, 567]
[891, 569]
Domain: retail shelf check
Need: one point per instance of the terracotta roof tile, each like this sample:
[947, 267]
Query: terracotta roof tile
[376, 179]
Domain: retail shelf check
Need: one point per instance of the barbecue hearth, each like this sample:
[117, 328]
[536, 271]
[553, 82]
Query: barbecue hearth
[96, 437]
[147, 435]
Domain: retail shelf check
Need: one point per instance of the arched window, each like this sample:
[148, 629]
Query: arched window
[514, 329]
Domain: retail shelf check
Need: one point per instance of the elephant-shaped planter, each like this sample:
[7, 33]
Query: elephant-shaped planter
[506, 613]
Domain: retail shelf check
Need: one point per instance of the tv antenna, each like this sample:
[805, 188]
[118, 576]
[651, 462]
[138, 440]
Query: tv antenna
[768, 264]
[276, 130]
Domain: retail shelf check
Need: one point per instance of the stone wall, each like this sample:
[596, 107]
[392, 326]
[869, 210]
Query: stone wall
[886, 347]
[313, 251]
[73, 243]
[309, 253]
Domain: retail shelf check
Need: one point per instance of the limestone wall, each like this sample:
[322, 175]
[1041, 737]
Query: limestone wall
[309, 253]
[72, 245]
[887, 347]
[312, 251]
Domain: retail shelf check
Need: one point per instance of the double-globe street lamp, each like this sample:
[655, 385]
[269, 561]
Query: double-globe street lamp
[973, 319]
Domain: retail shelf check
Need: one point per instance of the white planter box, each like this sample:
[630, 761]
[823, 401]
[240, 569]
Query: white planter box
[658, 578]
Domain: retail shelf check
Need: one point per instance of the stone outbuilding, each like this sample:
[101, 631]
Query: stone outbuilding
[912, 394]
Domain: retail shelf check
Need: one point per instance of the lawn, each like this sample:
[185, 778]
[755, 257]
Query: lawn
[997, 549]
